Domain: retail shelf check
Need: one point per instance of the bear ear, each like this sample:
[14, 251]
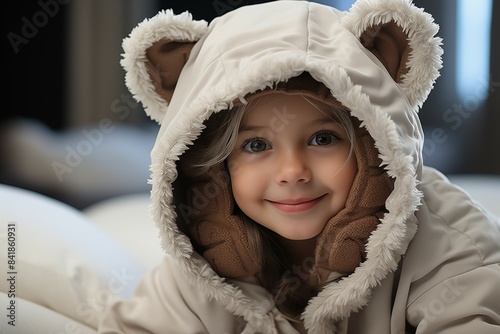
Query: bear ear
[155, 53]
[165, 60]
[390, 45]
[402, 37]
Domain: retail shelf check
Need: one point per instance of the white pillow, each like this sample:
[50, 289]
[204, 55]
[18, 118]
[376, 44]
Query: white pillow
[63, 261]
[127, 219]
[31, 318]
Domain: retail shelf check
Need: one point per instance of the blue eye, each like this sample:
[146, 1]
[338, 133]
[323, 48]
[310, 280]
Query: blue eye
[323, 139]
[256, 145]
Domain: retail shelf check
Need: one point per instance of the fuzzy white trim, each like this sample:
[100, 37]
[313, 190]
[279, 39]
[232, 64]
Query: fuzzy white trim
[425, 57]
[165, 24]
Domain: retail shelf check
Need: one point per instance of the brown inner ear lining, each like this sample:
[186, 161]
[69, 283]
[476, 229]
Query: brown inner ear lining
[390, 45]
[166, 58]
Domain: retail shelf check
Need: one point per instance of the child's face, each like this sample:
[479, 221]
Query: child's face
[290, 168]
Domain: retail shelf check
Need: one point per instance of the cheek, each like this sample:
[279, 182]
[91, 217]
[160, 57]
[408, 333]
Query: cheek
[350, 170]
[247, 192]
[343, 178]
[347, 175]
[237, 189]
[244, 181]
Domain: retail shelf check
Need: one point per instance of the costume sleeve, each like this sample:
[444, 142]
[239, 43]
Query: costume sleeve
[455, 263]
[464, 304]
[165, 302]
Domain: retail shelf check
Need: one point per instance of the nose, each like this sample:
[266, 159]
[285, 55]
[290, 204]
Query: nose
[292, 168]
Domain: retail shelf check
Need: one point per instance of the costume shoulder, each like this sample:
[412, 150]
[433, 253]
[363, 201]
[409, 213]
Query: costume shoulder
[456, 246]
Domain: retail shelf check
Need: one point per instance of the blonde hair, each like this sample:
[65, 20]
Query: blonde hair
[213, 147]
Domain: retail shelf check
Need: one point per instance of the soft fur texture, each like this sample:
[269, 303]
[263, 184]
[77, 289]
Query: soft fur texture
[182, 121]
[165, 25]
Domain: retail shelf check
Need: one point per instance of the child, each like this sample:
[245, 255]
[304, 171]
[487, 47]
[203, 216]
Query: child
[288, 182]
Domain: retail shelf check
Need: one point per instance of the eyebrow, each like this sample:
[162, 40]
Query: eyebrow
[250, 128]
[324, 120]
[316, 122]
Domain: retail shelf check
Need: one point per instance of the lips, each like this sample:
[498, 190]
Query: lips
[296, 205]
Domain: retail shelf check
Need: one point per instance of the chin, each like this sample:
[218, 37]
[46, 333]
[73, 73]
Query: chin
[300, 236]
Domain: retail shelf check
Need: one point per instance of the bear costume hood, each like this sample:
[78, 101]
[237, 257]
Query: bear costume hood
[379, 60]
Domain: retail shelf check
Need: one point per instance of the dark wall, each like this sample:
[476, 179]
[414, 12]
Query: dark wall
[462, 131]
[34, 53]
[33, 50]
[206, 10]
[490, 146]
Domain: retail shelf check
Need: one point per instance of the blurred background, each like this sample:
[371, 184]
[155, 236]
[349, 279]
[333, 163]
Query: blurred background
[70, 129]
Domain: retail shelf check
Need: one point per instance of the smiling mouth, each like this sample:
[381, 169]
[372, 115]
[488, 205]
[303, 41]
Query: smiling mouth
[296, 205]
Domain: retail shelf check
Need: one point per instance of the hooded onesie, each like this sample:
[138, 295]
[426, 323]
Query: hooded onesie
[409, 252]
